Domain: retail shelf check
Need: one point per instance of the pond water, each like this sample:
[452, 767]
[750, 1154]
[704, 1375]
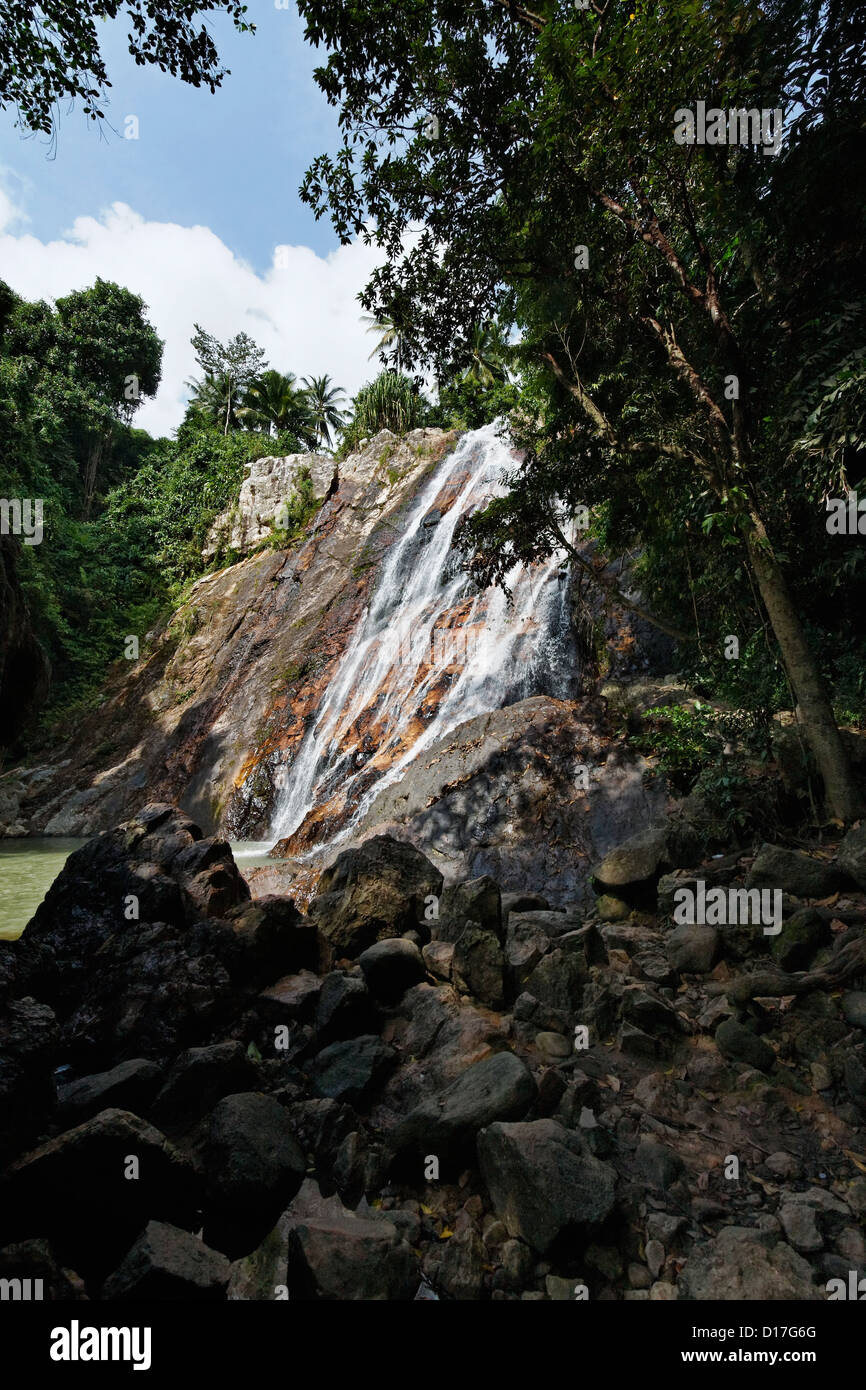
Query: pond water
[29, 867]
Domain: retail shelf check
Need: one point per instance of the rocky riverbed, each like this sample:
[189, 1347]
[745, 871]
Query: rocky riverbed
[415, 1090]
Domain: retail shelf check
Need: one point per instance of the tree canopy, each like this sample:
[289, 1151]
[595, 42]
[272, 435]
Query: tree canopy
[689, 315]
[50, 51]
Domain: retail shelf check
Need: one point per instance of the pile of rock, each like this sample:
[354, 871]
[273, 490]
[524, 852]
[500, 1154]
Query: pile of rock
[424, 1091]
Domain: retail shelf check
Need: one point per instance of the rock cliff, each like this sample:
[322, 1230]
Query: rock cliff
[458, 720]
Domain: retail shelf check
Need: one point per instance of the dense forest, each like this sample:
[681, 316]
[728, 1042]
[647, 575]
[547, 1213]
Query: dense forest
[126, 515]
[674, 333]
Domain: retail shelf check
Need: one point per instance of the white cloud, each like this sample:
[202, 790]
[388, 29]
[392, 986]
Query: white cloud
[303, 311]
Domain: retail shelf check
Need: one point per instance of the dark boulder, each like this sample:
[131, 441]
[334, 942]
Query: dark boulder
[199, 1078]
[802, 935]
[478, 965]
[794, 872]
[345, 1008]
[130, 1085]
[291, 999]
[119, 910]
[543, 1181]
[739, 1044]
[275, 939]
[477, 900]
[370, 893]
[351, 1258]
[29, 1039]
[252, 1166]
[36, 1261]
[351, 1071]
[499, 1088]
[92, 1189]
[87, 901]
[558, 980]
[636, 862]
[168, 1264]
[151, 991]
[391, 967]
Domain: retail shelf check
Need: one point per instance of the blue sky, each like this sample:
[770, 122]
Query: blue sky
[190, 214]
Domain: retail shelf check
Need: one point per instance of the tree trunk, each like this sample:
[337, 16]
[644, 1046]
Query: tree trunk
[815, 712]
[91, 472]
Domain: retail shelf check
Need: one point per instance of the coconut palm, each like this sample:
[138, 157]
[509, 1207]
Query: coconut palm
[215, 397]
[274, 402]
[488, 353]
[325, 414]
[391, 335]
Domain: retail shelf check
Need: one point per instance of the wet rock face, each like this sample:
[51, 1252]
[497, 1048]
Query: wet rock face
[501, 796]
[212, 715]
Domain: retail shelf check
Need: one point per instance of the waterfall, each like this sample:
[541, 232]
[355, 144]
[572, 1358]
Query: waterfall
[429, 652]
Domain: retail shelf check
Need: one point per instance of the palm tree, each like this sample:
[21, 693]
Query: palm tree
[324, 411]
[488, 353]
[391, 335]
[215, 397]
[274, 402]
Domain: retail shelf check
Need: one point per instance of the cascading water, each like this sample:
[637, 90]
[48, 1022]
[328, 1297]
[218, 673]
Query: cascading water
[428, 653]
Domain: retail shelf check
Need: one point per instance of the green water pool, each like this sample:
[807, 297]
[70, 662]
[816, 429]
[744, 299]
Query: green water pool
[29, 867]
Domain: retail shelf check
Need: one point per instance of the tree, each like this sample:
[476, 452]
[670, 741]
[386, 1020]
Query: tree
[488, 355]
[275, 403]
[93, 360]
[324, 410]
[230, 366]
[207, 403]
[656, 307]
[391, 337]
[50, 52]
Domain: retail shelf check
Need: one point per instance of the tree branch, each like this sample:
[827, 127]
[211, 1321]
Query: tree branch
[612, 588]
[637, 447]
[690, 375]
[535, 22]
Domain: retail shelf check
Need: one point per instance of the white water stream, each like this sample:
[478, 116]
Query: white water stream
[498, 653]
